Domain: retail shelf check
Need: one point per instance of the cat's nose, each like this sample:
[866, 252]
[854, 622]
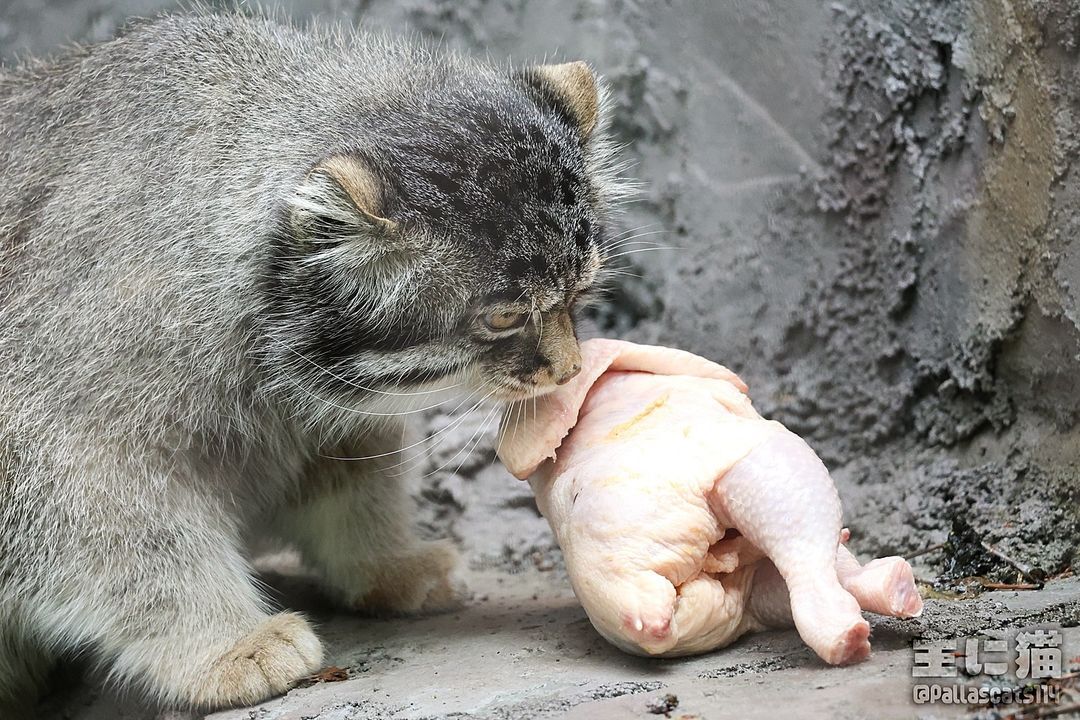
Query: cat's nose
[569, 374]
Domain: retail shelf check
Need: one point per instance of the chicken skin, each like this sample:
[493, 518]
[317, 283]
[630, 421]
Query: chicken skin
[686, 519]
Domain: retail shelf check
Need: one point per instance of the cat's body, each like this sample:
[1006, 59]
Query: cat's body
[231, 250]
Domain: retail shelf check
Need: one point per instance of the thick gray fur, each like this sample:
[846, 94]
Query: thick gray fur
[194, 322]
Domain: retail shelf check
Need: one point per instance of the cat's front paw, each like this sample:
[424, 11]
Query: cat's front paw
[268, 661]
[422, 580]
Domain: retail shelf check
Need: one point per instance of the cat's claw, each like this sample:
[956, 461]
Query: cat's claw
[268, 661]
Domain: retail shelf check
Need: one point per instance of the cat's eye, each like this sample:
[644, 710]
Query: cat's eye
[504, 320]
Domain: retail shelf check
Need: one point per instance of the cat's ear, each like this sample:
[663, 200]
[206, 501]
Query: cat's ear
[341, 198]
[571, 89]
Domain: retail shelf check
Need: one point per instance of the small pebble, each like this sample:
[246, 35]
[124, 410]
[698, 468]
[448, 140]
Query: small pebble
[662, 705]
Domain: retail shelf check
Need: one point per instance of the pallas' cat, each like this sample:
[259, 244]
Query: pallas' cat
[234, 254]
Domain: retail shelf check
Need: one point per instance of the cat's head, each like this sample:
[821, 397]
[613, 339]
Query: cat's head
[455, 241]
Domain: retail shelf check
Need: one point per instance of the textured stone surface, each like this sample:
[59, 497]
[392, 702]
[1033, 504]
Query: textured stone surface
[873, 215]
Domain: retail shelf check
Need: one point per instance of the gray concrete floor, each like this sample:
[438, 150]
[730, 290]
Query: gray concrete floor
[523, 648]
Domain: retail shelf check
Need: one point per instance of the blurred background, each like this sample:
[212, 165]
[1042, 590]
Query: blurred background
[870, 211]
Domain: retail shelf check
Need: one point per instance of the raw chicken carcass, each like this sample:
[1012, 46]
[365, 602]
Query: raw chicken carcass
[685, 518]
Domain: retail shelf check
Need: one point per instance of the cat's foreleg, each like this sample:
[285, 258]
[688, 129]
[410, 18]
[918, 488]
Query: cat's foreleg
[353, 524]
[153, 581]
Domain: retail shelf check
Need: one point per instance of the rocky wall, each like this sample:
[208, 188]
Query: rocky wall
[869, 209]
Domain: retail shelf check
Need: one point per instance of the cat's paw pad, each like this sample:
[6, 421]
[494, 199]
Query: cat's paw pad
[268, 661]
[419, 581]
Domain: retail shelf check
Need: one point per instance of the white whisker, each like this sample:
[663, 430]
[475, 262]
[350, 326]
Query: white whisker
[628, 231]
[361, 387]
[618, 242]
[502, 434]
[540, 334]
[409, 463]
[614, 271]
[639, 250]
[410, 447]
[357, 411]
[481, 431]
[467, 443]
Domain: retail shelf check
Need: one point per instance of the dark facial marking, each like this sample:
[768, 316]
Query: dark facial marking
[540, 264]
[328, 228]
[461, 206]
[517, 268]
[330, 330]
[581, 235]
[551, 225]
[537, 136]
[569, 197]
[487, 172]
[546, 189]
[446, 184]
[411, 376]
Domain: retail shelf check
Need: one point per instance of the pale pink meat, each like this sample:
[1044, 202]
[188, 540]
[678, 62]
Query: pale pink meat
[685, 518]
